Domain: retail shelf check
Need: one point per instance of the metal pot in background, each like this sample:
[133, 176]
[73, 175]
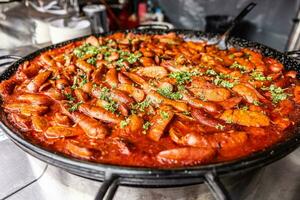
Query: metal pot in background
[220, 23]
[97, 16]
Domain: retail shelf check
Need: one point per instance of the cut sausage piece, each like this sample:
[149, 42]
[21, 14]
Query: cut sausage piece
[92, 128]
[246, 92]
[297, 94]
[229, 144]
[37, 99]
[111, 77]
[205, 119]
[92, 40]
[230, 103]
[156, 97]
[159, 123]
[211, 107]
[99, 113]
[246, 118]
[77, 151]
[153, 72]
[39, 123]
[190, 139]
[84, 66]
[37, 81]
[186, 155]
[61, 132]
[136, 93]
[26, 109]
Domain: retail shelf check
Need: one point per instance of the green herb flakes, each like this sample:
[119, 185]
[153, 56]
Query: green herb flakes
[211, 72]
[141, 106]
[104, 95]
[166, 92]
[111, 106]
[164, 114]
[224, 83]
[124, 123]
[75, 106]
[69, 97]
[132, 58]
[277, 94]
[236, 65]
[85, 49]
[259, 76]
[92, 61]
[146, 125]
[183, 77]
[245, 108]
[257, 103]
[220, 127]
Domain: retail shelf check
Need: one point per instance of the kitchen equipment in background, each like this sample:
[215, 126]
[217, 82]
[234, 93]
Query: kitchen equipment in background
[224, 37]
[293, 42]
[74, 28]
[97, 16]
[220, 23]
[41, 31]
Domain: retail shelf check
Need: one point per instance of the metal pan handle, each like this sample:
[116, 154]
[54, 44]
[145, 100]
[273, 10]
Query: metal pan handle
[108, 187]
[216, 187]
[8, 59]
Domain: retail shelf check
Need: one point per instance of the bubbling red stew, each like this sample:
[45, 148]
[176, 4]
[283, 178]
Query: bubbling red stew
[152, 101]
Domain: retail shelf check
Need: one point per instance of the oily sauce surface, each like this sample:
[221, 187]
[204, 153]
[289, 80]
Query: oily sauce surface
[152, 101]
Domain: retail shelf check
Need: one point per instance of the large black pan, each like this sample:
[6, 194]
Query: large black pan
[113, 175]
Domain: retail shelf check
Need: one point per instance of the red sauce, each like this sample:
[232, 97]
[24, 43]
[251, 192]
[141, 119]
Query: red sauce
[152, 101]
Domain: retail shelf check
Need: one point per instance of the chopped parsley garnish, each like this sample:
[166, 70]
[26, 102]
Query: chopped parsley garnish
[180, 87]
[141, 106]
[277, 93]
[211, 72]
[56, 77]
[224, 83]
[183, 77]
[259, 76]
[120, 62]
[104, 95]
[75, 106]
[146, 125]
[257, 103]
[166, 92]
[202, 97]
[245, 108]
[92, 61]
[69, 97]
[132, 58]
[231, 56]
[220, 79]
[236, 65]
[220, 127]
[111, 106]
[229, 121]
[164, 114]
[86, 49]
[124, 123]
[83, 80]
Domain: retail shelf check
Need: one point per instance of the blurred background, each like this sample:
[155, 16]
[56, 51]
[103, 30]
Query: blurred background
[29, 24]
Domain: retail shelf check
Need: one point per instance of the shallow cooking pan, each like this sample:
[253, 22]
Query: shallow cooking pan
[113, 175]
